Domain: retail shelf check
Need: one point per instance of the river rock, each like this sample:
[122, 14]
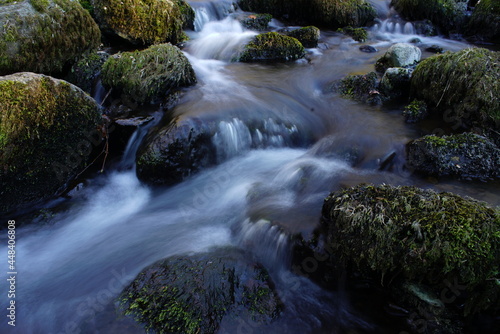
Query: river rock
[396, 82]
[331, 14]
[44, 36]
[257, 22]
[465, 155]
[86, 71]
[405, 238]
[49, 130]
[485, 21]
[148, 76]
[272, 47]
[144, 22]
[449, 15]
[463, 87]
[363, 87]
[367, 49]
[308, 36]
[415, 111]
[195, 294]
[357, 34]
[399, 55]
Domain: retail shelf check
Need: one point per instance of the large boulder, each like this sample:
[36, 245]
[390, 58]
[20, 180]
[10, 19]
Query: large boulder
[449, 15]
[272, 47]
[44, 36]
[195, 294]
[465, 155]
[399, 55]
[150, 75]
[485, 21]
[144, 22]
[396, 236]
[463, 87]
[324, 13]
[48, 131]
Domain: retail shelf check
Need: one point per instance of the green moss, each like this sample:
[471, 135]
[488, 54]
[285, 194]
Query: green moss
[417, 235]
[485, 20]
[40, 5]
[415, 111]
[272, 46]
[84, 73]
[308, 36]
[360, 87]
[45, 42]
[446, 14]
[465, 85]
[358, 34]
[145, 21]
[42, 124]
[324, 13]
[150, 75]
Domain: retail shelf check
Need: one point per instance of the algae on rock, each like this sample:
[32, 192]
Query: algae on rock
[48, 131]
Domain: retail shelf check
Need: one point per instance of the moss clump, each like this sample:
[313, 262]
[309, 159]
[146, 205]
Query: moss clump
[415, 111]
[358, 34]
[410, 234]
[449, 15]
[144, 21]
[465, 155]
[325, 13]
[47, 39]
[465, 85]
[86, 71]
[272, 47]
[150, 75]
[47, 130]
[485, 21]
[395, 83]
[192, 294]
[257, 22]
[308, 36]
[361, 88]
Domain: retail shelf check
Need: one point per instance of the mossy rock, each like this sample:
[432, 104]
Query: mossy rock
[465, 155]
[144, 22]
[485, 21]
[415, 111]
[463, 86]
[194, 294]
[44, 36]
[48, 131]
[395, 83]
[257, 22]
[398, 55]
[86, 71]
[361, 87]
[307, 36]
[331, 14]
[272, 47]
[358, 34]
[406, 234]
[449, 15]
[150, 75]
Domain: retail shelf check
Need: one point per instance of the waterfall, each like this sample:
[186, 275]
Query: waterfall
[207, 11]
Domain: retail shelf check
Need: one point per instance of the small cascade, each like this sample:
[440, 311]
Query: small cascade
[220, 40]
[234, 137]
[267, 241]
[393, 26]
[207, 11]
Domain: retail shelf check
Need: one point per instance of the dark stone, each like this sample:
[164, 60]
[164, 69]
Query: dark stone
[308, 36]
[195, 294]
[434, 49]
[257, 22]
[362, 88]
[85, 72]
[368, 49]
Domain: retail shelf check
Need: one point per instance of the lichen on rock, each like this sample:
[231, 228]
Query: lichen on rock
[272, 47]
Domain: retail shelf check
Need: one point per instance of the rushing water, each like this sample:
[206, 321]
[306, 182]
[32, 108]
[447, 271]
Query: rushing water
[71, 268]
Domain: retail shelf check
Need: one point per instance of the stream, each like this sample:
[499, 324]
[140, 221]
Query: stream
[72, 267]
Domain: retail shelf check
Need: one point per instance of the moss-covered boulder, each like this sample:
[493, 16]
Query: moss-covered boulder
[410, 235]
[257, 22]
[307, 36]
[449, 15]
[462, 86]
[357, 34]
[48, 131]
[144, 22]
[485, 21]
[465, 155]
[44, 36]
[331, 14]
[150, 75]
[194, 294]
[362, 87]
[272, 47]
[86, 71]
[399, 55]
[415, 111]
[395, 83]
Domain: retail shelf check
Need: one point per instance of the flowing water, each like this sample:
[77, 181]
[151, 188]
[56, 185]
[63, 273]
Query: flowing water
[284, 140]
